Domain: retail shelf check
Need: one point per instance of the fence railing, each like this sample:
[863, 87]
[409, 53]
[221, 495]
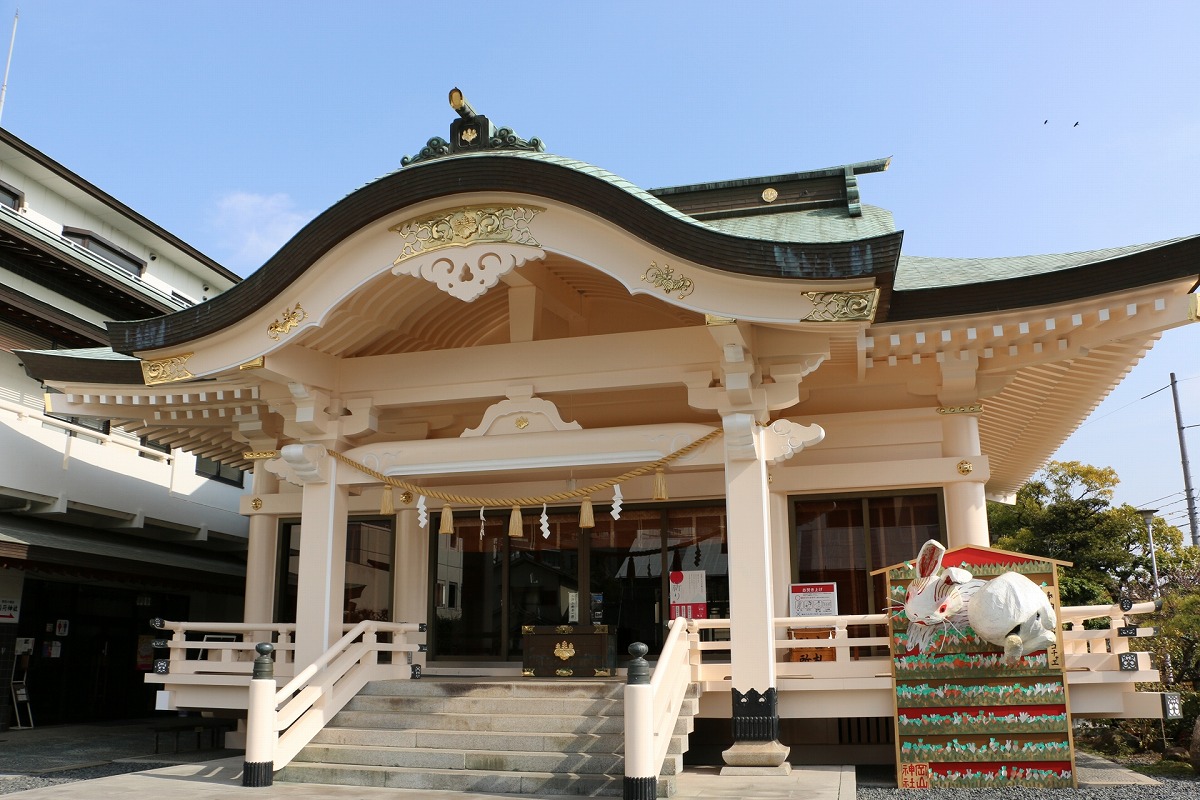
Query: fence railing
[222, 648]
[652, 707]
[310, 700]
[856, 645]
[118, 439]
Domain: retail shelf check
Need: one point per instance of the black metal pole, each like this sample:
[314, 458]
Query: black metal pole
[1187, 472]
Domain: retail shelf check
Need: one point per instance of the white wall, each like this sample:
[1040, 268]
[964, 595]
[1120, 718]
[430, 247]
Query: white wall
[50, 210]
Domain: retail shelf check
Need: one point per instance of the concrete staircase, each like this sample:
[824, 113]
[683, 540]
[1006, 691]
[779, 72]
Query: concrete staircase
[528, 736]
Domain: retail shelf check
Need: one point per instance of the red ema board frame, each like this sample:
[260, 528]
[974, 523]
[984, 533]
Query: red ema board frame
[963, 717]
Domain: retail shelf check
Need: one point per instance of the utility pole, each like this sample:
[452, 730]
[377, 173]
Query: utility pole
[1187, 472]
[12, 42]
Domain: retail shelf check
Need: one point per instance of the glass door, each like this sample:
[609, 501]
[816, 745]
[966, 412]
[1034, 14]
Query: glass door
[487, 586]
[544, 573]
[626, 581]
[468, 590]
[368, 584]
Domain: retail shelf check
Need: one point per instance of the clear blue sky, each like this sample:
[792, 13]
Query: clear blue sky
[233, 123]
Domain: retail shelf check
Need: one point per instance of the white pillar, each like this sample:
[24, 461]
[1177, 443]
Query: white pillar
[751, 612]
[411, 568]
[262, 550]
[966, 506]
[321, 578]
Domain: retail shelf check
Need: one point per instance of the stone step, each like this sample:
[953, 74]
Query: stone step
[511, 737]
[478, 722]
[484, 740]
[500, 706]
[502, 782]
[476, 760]
[396, 720]
[442, 687]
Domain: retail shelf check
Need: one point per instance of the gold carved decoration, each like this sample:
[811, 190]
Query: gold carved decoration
[526, 629]
[522, 423]
[256, 504]
[469, 135]
[564, 673]
[527, 673]
[291, 318]
[564, 650]
[564, 629]
[770, 194]
[166, 370]
[712, 320]
[965, 467]
[254, 363]
[842, 306]
[260, 455]
[405, 498]
[465, 226]
[969, 408]
[664, 278]
[599, 629]
[603, 673]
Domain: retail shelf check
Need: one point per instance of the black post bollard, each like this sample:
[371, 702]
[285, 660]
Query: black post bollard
[259, 767]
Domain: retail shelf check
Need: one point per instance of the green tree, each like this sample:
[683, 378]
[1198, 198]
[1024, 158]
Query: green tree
[1065, 512]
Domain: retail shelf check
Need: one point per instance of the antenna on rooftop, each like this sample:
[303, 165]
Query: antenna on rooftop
[7, 64]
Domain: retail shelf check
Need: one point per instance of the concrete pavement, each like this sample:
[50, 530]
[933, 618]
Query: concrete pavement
[185, 768]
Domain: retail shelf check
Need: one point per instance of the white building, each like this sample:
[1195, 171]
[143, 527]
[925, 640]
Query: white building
[100, 529]
[493, 330]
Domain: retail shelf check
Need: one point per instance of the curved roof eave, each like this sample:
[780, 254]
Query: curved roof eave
[572, 182]
[1000, 284]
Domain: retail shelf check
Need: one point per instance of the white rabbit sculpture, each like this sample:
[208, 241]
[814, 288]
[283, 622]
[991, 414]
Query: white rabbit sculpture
[1009, 611]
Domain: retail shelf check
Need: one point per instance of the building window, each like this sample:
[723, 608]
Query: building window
[150, 444]
[106, 250]
[844, 538]
[446, 595]
[11, 196]
[100, 426]
[219, 472]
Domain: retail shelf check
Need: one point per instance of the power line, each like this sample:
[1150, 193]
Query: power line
[1158, 499]
[1134, 402]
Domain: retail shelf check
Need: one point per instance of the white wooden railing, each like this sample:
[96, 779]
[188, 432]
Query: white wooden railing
[669, 684]
[118, 438]
[1101, 668]
[310, 700]
[224, 648]
[652, 709]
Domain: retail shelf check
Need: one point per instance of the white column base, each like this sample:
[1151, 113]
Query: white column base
[756, 758]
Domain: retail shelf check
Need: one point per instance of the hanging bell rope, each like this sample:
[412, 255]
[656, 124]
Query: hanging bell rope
[586, 518]
[558, 497]
[446, 526]
[516, 528]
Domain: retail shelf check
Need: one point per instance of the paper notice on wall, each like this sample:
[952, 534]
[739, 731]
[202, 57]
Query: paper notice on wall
[10, 609]
[813, 600]
[689, 594]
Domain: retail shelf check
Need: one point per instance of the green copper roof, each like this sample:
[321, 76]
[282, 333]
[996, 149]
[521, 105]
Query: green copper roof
[816, 225]
[570, 163]
[922, 272]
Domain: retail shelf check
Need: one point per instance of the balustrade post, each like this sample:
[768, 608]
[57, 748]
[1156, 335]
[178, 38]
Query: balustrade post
[641, 774]
[259, 767]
